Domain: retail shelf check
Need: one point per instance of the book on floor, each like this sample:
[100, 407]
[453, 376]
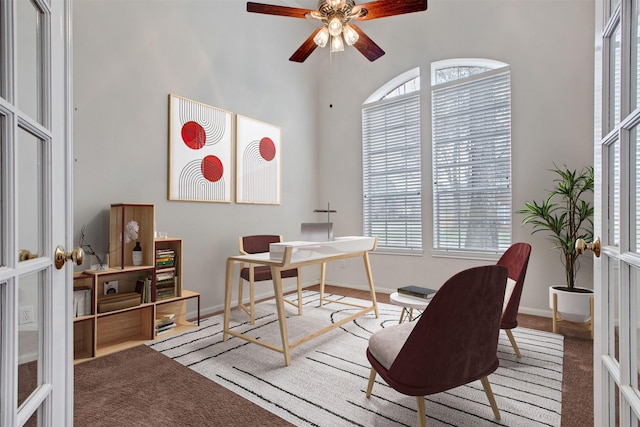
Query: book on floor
[417, 291]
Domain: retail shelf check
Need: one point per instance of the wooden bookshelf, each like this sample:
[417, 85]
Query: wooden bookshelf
[99, 333]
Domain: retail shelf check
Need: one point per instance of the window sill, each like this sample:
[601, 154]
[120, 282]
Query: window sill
[482, 256]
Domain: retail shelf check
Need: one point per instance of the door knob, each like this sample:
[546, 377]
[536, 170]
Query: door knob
[594, 246]
[25, 254]
[61, 256]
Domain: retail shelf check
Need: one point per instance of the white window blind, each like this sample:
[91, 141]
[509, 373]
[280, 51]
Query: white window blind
[391, 172]
[471, 121]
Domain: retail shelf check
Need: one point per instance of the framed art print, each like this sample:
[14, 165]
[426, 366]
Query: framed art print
[258, 148]
[199, 151]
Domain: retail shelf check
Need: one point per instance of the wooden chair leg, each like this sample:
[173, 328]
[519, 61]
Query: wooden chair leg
[492, 399]
[252, 303]
[422, 416]
[299, 278]
[240, 286]
[323, 270]
[372, 380]
[513, 342]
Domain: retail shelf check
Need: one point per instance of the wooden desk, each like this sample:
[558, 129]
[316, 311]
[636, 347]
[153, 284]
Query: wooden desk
[288, 255]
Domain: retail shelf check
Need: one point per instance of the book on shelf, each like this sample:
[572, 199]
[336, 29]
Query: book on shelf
[143, 287]
[113, 302]
[165, 325]
[164, 331]
[164, 262]
[417, 292]
[81, 302]
[166, 276]
[164, 293]
[164, 252]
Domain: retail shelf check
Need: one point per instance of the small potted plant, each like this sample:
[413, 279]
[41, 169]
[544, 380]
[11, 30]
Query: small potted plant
[566, 215]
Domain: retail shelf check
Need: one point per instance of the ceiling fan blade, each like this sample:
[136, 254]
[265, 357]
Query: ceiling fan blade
[270, 9]
[306, 48]
[382, 8]
[366, 46]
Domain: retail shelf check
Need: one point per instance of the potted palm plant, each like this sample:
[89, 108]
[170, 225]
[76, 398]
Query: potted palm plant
[566, 215]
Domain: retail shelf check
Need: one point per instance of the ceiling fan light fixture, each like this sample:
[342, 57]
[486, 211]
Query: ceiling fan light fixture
[335, 26]
[322, 37]
[336, 44]
[350, 35]
[333, 3]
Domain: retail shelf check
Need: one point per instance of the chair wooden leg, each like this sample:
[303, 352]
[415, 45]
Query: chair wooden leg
[299, 293]
[513, 342]
[323, 271]
[372, 380]
[422, 416]
[240, 286]
[252, 303]
[490, 396]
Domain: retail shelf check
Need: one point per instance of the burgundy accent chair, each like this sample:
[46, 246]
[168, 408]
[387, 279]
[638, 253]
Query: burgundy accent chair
[251, 273]
[453, 343]
[515, 259]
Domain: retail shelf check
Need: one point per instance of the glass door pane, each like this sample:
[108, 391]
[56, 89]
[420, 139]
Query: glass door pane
[613, 220]
[30, 72]
[615, 67]
[30, 197]
[30, 317]
[613, 320]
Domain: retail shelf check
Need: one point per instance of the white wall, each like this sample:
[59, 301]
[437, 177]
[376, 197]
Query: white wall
[129, 56]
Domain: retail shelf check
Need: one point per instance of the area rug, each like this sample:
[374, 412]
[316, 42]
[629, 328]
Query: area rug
[326, 381]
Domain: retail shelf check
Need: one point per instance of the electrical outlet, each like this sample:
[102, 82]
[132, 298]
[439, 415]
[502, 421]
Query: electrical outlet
[25, 315]
[343, 263]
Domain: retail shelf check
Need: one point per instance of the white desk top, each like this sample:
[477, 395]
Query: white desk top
[307, 251]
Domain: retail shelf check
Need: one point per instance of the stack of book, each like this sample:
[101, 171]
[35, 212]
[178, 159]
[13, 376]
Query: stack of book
[165, 285]
[113, 302]
[417, 292]
[165, 324]
[165, 257]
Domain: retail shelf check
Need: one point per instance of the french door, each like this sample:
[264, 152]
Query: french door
[36, 348]
[617, 217]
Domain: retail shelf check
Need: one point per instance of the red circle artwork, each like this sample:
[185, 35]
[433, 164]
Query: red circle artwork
[193, 135]
[212, 168]
[267, 149]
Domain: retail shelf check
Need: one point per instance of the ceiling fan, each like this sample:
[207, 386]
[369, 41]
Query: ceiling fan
[337, 18]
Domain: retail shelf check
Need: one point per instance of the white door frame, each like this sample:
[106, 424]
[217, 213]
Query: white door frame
[52, 399]
[616, 164]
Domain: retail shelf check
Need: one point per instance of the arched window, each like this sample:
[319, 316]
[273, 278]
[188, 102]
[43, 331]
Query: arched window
[471, 138]
[392, 164]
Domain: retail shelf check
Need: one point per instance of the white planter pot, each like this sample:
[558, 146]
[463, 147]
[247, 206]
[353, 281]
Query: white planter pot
[572, 306]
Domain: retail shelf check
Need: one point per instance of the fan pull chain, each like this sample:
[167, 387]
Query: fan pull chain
[330, 79]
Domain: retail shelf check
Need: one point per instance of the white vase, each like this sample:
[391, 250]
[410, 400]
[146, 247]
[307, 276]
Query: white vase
[572, 306]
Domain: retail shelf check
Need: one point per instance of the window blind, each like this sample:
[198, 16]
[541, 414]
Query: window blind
[391, 172]
[471, 121]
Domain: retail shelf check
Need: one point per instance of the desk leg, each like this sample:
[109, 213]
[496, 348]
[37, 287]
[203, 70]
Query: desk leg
[367, 266]
[282, 315]
[323, 270]
[227, 299]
